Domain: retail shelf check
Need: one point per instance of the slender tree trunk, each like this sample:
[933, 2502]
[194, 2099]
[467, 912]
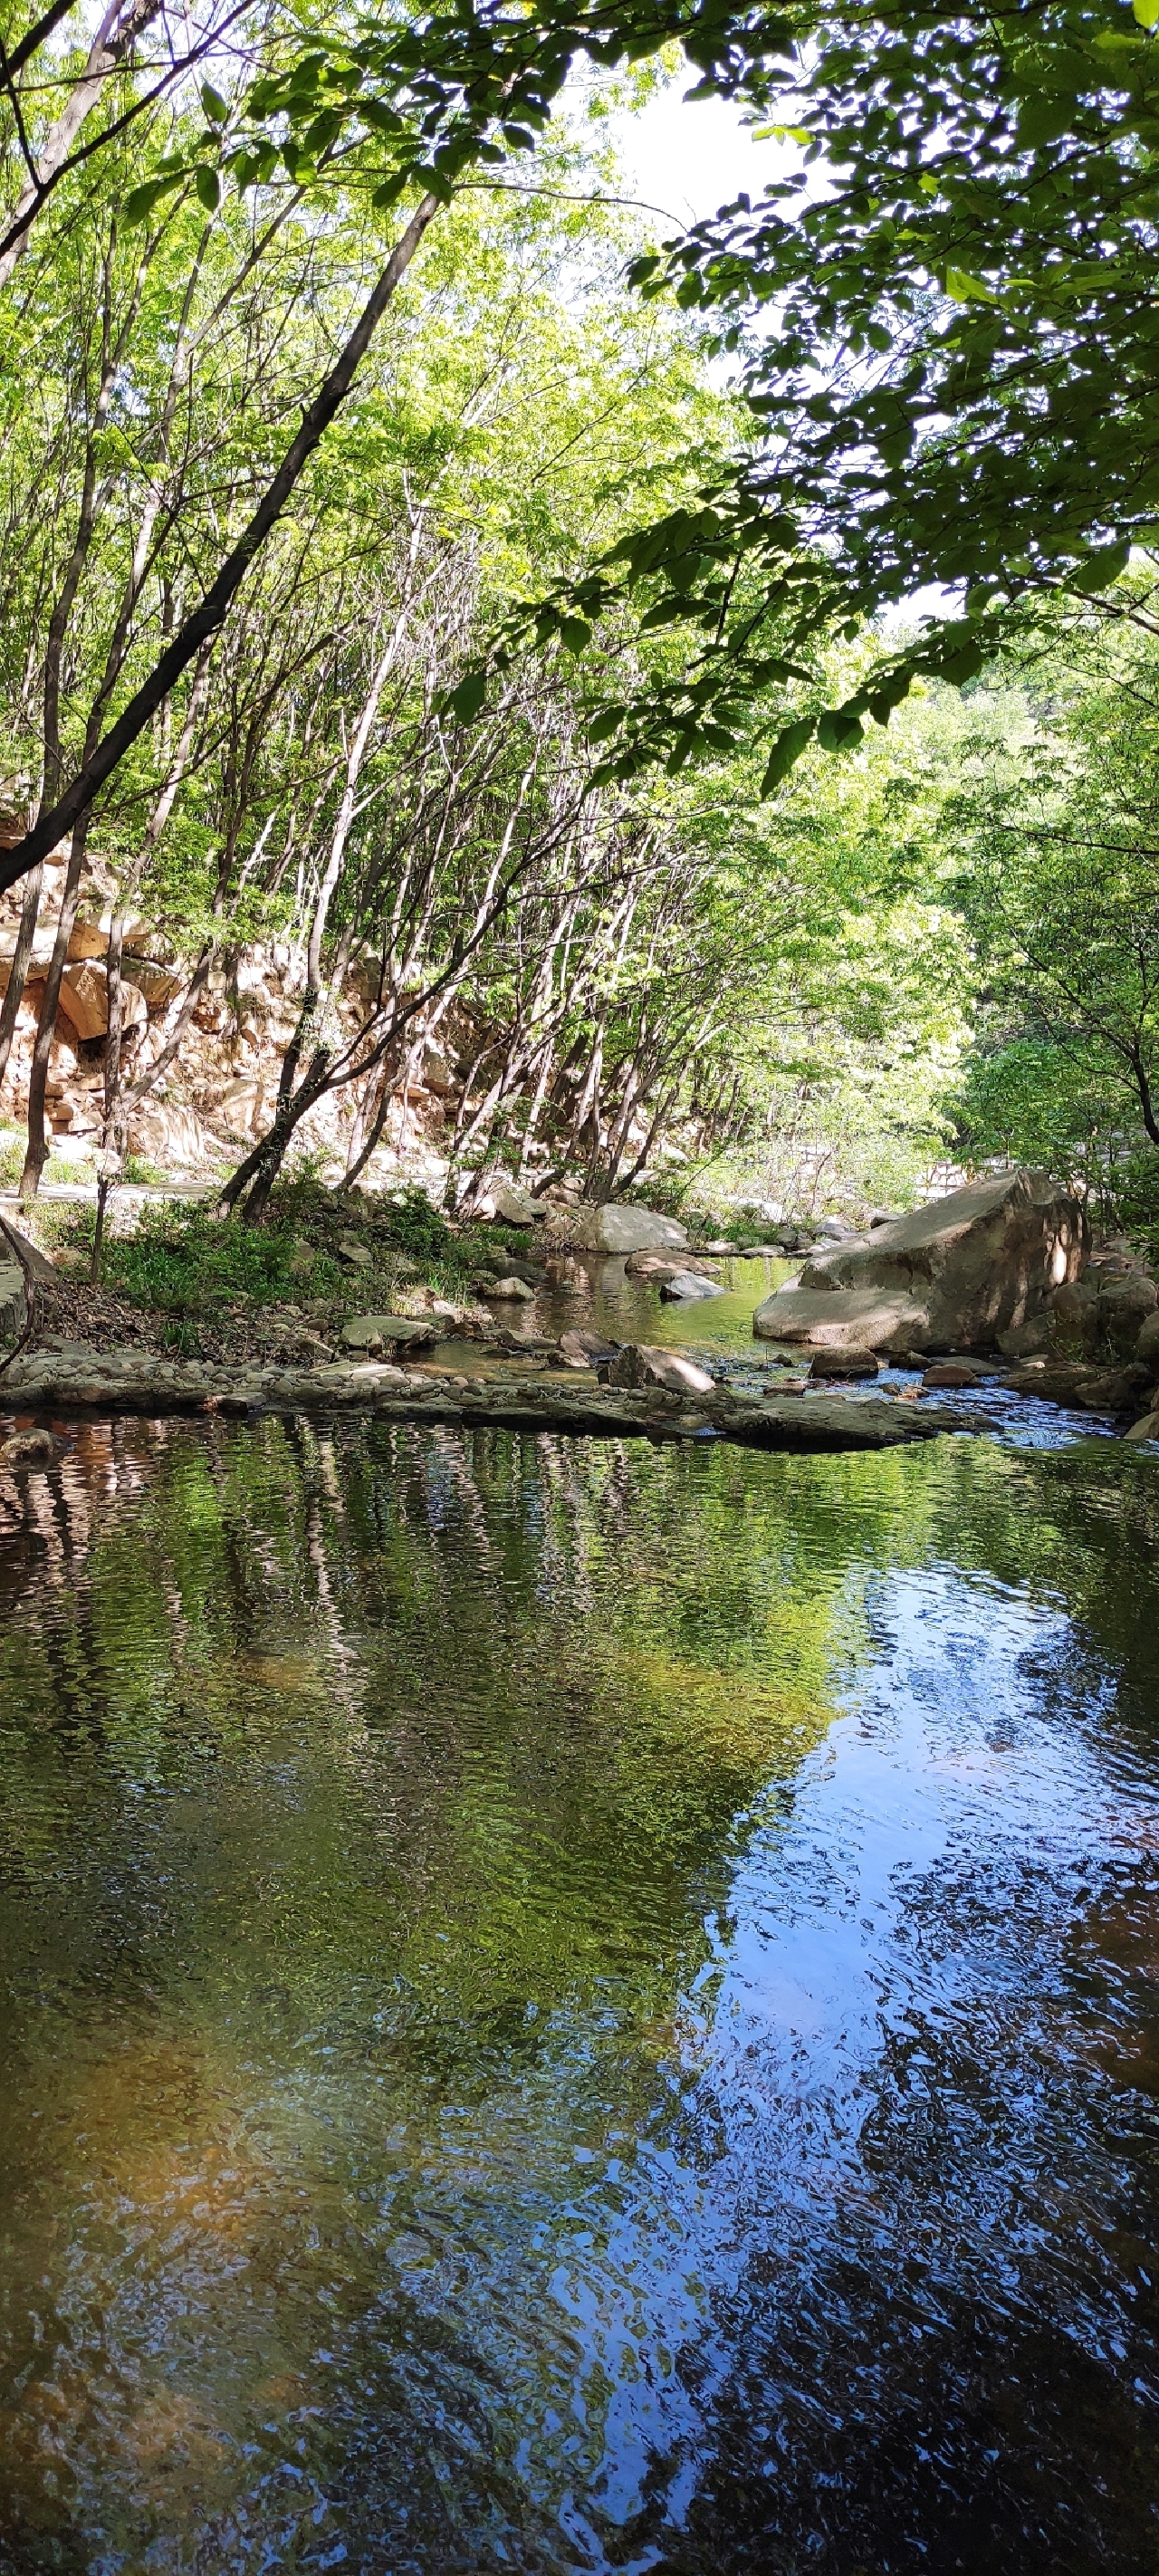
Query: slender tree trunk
[18, 971]
[37, 1153]
[205, 620]
[112, 1137]
[117, 31]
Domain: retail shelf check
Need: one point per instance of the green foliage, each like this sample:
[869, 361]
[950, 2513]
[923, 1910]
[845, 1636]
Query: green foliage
[1056, 834]
[184, 1262]
[410, 1222]
[1135, 1199]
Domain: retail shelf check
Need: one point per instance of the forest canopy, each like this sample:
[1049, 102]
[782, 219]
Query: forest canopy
[413, 565]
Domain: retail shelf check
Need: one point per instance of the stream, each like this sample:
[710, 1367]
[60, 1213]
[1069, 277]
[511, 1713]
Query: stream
[574, 2006]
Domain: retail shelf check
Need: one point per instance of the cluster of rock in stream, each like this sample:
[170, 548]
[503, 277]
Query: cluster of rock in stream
[1000, 1272]
[77, 1381]
[1003, 1269]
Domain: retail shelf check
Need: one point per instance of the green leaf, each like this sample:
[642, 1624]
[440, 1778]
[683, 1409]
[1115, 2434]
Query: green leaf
[466, 701]
[1102, 568]
[140, 201]
[574, 634]
[837, 731]
[213, 104]
[966, 289]
[1146, 12]
[666, 613]
[889, 695]
[208, 186]
[787, 751]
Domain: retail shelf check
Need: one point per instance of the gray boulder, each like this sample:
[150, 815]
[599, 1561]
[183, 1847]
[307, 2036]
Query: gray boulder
[584, 1349]
[1123, 1308]
[1147, 1346]
[383, 1332]
[645, 1364]
[626, 1229]
[685, 1285]
[1025, 1341]
[1072, 1318]
[509, 1201]
[954, 1275]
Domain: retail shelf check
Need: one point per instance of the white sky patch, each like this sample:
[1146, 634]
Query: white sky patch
[688, 157]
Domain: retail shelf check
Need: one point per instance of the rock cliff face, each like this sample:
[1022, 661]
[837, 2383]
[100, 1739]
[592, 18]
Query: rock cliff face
[955, 1275]
[221, 1092]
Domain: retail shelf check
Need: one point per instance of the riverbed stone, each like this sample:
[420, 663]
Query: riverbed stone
[1025, 1341]
[1147, 1346]
[685, 1286]
[364, 1332]
[958, 1272]
[850, 1362]
[1123, 1308]
[858, 1318]
[656, 1266]
[514, 1290]
[648, 1364]
[1073, 1318]
[584, 1349]
[32, 1449]
[1112, 1390]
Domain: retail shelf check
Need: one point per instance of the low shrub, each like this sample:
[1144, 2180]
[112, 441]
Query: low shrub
[182, 1261]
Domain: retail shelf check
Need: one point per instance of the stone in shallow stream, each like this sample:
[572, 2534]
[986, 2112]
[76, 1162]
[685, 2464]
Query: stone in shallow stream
[373, 1332]
[850, 1362]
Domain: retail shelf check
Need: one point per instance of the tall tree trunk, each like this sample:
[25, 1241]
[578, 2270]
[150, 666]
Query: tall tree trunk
[37, 1153]
[18, 971]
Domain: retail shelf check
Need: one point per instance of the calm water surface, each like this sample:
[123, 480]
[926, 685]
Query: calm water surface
[573, 2007]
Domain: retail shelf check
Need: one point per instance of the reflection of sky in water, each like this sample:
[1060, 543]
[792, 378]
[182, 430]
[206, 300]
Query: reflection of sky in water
[898, 1940]
[399, 2168]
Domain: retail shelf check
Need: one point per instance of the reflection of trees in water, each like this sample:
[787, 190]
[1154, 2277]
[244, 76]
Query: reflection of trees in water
[344, 1796]
[365, 1794]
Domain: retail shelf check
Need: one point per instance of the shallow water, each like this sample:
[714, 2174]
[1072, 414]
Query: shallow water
[597, 1292]
[568, 2006]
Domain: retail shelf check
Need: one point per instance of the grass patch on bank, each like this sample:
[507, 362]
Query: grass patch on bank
[180, 1260]
[186, 1262]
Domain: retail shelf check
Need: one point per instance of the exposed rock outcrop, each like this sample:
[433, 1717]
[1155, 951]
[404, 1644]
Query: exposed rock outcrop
[953, 1275]
[620, 1229]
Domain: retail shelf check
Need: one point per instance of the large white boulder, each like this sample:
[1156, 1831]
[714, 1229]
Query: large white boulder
[953, 1275]
[625, 1229]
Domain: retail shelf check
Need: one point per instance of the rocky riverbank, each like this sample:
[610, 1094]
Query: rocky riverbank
[111, 1382]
